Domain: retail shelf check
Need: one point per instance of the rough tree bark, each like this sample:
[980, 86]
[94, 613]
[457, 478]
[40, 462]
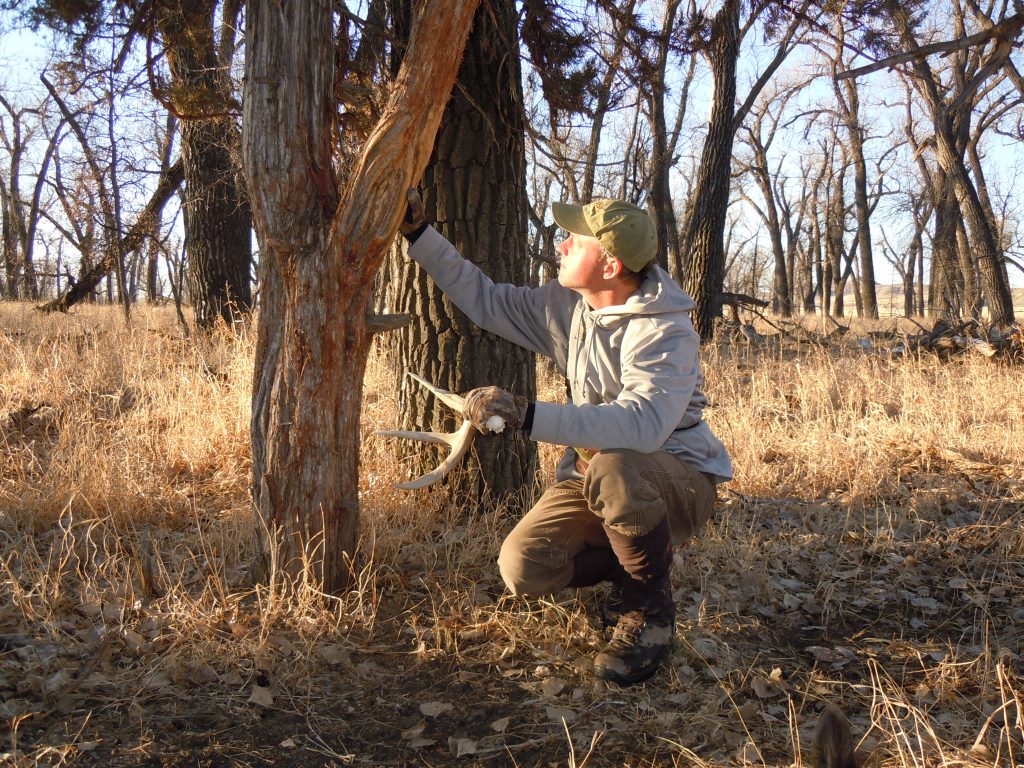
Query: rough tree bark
[702, 241]
[319, 250]
[704, 229]
[218, 236]
[476, 197]
[848, 100]
[949, 126]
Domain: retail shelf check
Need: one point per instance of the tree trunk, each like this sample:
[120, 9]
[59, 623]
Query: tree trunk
[476, 195]
[705, 267]
[868, 303]
[947, 280]
[835, 227]
[781, 295]
[318, 257]
[848, 99]
[950, 154]
[8, 243]
[660, 196]
[219, 233]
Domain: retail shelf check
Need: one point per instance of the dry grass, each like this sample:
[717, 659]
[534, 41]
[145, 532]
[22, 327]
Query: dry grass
[870, 552]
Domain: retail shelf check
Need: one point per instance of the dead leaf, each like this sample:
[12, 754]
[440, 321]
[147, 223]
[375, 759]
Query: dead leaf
[765, 689]
[261, 696]
[87, 746]
[421, 743]
[747, 710]
[982, 750]
[158, 679]
[201, 673]
[282, 643]
[552, 686]
[435, 708]
[751, 754]
[132, 640]
[557, 714]
[461, 746]
[289, 743]
[499, 726]
[415, 731]
[334, 654]
[56, 682]
[823, 654]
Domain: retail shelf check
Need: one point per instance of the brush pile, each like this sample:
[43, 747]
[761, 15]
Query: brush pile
[945, 339]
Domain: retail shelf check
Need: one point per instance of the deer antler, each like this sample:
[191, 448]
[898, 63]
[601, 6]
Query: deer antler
[459, 441]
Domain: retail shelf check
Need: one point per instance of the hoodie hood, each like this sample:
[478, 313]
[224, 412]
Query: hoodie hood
[659, 294]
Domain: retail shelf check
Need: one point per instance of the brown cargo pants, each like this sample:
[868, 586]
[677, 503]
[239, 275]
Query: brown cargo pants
[628, 491]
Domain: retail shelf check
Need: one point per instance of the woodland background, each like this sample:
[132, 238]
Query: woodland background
[868, 553]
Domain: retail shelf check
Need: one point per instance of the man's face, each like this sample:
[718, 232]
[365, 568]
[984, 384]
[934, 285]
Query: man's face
[582, 266]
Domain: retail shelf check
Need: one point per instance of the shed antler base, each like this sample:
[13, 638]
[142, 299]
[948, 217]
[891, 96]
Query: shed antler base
[459, 442]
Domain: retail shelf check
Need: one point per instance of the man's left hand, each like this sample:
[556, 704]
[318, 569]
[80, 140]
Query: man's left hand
[414, 214]
[484, 403]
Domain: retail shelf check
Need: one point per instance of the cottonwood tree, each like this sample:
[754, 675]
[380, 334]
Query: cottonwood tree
[322, 239]
[19, 128]
[475, 195]
[951, 130]
[908, 259]
[758, 134]
[719, 38]
[196, 41]
[96, 219]
[848, 104]
[102, 171]
[561, 85]
[653, 80]
[199, 41]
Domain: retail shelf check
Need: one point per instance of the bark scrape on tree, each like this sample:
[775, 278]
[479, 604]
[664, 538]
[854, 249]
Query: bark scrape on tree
[305, 421]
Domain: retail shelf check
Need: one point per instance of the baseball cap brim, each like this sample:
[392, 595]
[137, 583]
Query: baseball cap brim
[570, 218]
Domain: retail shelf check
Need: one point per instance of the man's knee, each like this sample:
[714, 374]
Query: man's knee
[533, 567]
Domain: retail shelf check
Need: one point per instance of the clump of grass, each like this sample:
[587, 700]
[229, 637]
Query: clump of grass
[869, 552]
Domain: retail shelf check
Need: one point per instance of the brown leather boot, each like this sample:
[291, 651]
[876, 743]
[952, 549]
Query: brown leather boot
[645, 629]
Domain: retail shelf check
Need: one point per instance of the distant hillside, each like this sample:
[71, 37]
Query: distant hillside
[890, 299]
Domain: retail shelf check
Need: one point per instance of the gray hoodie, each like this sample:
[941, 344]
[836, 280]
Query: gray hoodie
[633, 370]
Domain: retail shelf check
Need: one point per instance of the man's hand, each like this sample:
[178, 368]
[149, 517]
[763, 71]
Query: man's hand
[485, 403]
[414, 215]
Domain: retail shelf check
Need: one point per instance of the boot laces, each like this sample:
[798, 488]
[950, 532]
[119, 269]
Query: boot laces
[627, 631]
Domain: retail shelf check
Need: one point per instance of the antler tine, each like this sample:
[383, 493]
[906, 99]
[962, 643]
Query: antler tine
[459, 442]
[453, 401]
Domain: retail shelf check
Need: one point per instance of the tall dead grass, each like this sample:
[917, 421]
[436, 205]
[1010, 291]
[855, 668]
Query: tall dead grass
[870, 551]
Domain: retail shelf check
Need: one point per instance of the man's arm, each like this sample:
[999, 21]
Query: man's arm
[535, 318]
[659, 374]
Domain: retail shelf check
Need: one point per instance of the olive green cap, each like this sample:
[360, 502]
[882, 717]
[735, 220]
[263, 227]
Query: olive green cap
[625, 230]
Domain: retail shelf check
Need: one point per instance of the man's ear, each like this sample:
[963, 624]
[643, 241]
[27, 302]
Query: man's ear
[612, 268]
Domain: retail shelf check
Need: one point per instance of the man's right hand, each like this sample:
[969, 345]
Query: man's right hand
[483, 403]
[414, 216]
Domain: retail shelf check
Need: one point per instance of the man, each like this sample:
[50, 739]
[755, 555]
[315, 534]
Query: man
[641, 466]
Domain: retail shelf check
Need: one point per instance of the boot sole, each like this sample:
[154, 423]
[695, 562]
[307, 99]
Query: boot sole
[611, 676]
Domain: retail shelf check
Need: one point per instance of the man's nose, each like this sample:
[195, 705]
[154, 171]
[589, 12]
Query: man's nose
[563, 247]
